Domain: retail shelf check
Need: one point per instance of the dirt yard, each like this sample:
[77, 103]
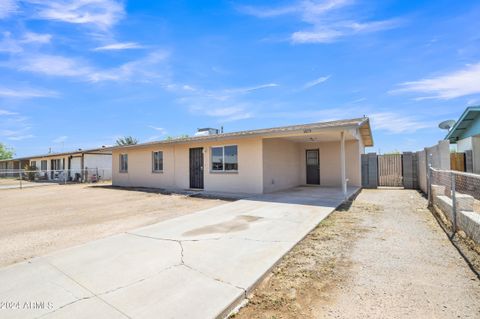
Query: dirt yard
[39, 220]
[384, 257]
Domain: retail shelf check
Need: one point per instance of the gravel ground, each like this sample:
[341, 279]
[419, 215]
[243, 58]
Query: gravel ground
[384, 257]
[38, 220]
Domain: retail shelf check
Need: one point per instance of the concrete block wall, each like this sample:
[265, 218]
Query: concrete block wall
[467, 219]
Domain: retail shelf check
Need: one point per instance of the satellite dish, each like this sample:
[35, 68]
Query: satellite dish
[446, 125]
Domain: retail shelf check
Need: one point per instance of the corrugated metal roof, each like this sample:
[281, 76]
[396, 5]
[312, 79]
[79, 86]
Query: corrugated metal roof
[362, 123]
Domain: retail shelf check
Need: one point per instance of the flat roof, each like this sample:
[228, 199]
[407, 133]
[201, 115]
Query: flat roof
[97, 150]
[363, 124]
[466, 119]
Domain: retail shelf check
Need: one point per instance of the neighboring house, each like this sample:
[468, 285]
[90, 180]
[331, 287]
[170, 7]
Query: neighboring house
[10, 166]
[80, 164]
[465, 133]
[256, 161]
[77, 165]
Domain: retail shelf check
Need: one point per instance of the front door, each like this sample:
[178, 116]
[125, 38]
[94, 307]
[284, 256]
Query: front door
[313, 167]
[196, 167]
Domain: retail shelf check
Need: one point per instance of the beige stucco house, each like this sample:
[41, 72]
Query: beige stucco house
[254, 162]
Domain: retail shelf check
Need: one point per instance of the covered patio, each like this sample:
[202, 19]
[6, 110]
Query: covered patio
[328, 157]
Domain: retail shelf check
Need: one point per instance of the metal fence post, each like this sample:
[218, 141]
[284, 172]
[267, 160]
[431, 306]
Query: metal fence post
[429, 186]
[20, 176]
[454, 203]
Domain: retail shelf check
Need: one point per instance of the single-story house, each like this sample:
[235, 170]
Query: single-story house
[465, 133]
[79, 165]
[9, 167]
[253, 162]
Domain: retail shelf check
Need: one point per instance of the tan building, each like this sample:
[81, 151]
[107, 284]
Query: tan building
[254, 162]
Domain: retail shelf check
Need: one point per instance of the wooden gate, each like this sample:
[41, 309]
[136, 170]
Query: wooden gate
[457, 162]
[390, 170]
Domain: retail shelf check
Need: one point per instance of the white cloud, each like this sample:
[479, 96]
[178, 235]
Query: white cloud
[26, 93]
[20, 137]
[119, 46]
[31, 37]
[228, 114]
[327, 22]
[102, 14]
[448, 86]
[9, 44]
[16, 134]
[316, 82]
[5, 112]
[251, 88]
[161, 130]
[267, 12]
[60, 139]
[14, 126]
[12, 45]
[7, 8]
[226, 105]
[56, 65]
[397, 123]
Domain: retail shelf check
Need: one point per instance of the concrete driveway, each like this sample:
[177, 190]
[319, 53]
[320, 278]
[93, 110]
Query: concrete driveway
[195, 266]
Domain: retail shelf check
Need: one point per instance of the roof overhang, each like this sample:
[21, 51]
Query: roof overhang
[101, 150]
[470, 114]
[362, 124]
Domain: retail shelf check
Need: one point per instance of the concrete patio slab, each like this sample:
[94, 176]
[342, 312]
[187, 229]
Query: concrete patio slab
[195, 266]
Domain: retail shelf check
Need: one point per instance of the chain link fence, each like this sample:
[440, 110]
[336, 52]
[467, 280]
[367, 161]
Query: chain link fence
[20, 178]
[456, 195]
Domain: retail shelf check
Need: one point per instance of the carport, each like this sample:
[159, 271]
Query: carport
[328, 157]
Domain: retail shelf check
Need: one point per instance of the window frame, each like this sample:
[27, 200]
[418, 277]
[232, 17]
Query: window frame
[41, 165]
[223, 170]
[153, 162]
[120, 168]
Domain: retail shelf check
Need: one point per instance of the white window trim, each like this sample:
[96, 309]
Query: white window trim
[153, 163]
[120, 163]
[223, 171]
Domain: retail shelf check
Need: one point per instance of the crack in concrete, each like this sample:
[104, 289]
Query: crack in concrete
[215, 279]
[136, 281]
[182, 261]
[65, 305]
[84, 298]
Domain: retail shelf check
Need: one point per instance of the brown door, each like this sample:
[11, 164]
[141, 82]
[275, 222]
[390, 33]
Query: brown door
[196, 167]
[313, 167]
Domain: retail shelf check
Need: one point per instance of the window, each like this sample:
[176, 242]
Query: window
[225, 158]
[33, 164]
[157, 161]
[123, 163]
[43, 165]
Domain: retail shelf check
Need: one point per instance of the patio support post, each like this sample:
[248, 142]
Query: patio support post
[342, 164]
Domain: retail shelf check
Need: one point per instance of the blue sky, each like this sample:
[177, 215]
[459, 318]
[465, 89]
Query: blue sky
[81, 73]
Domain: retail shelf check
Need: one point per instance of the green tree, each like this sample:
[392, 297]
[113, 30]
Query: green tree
[126, 140]
[6, 152]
